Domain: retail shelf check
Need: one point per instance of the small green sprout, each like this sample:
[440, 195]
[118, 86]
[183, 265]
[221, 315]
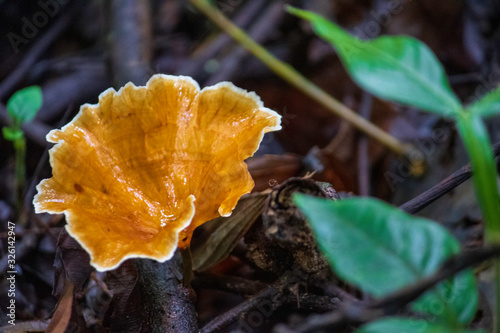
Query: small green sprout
[21, 108]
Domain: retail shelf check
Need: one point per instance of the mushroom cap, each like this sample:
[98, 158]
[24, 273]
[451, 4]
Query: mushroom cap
[136, 173]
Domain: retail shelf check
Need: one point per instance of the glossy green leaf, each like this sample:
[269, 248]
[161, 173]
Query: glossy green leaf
[488, 105]
[477, 144]
[24, 104]
[409, 325]
[380, 249]
[12, 134]
[400, 69]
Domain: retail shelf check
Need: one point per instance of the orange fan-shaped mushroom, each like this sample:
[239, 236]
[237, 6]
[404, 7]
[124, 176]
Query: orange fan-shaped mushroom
[138, 172]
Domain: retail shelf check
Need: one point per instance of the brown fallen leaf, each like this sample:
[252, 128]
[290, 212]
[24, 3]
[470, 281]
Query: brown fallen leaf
[71, 263]
[62, 315]
[222, 234]
[125, 311]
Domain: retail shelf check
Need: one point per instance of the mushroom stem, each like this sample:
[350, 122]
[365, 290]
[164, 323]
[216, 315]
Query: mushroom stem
[292, 76]
[167, 303]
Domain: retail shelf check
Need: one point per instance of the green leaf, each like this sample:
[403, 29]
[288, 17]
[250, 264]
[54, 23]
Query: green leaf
[12, 134]
[380, 249]
[409, 325]
[400, 69]
[24, 104]
[488, 105]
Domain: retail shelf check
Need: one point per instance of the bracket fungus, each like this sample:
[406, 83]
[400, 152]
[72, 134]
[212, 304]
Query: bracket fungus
[136, 173]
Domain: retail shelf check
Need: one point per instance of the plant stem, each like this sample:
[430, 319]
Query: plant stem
[496, 319]
[484, 177]
[20, 172]
[293, 77]
[477, 144]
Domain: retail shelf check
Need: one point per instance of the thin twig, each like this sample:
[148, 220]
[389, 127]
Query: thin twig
[426, 198]
[312, 302]
[268, 296]
[78, 85]
[292, 76]
[194, 67]
[262, 28]
[361, 312]
[16, 76]
[232, 284]
[229, 317]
